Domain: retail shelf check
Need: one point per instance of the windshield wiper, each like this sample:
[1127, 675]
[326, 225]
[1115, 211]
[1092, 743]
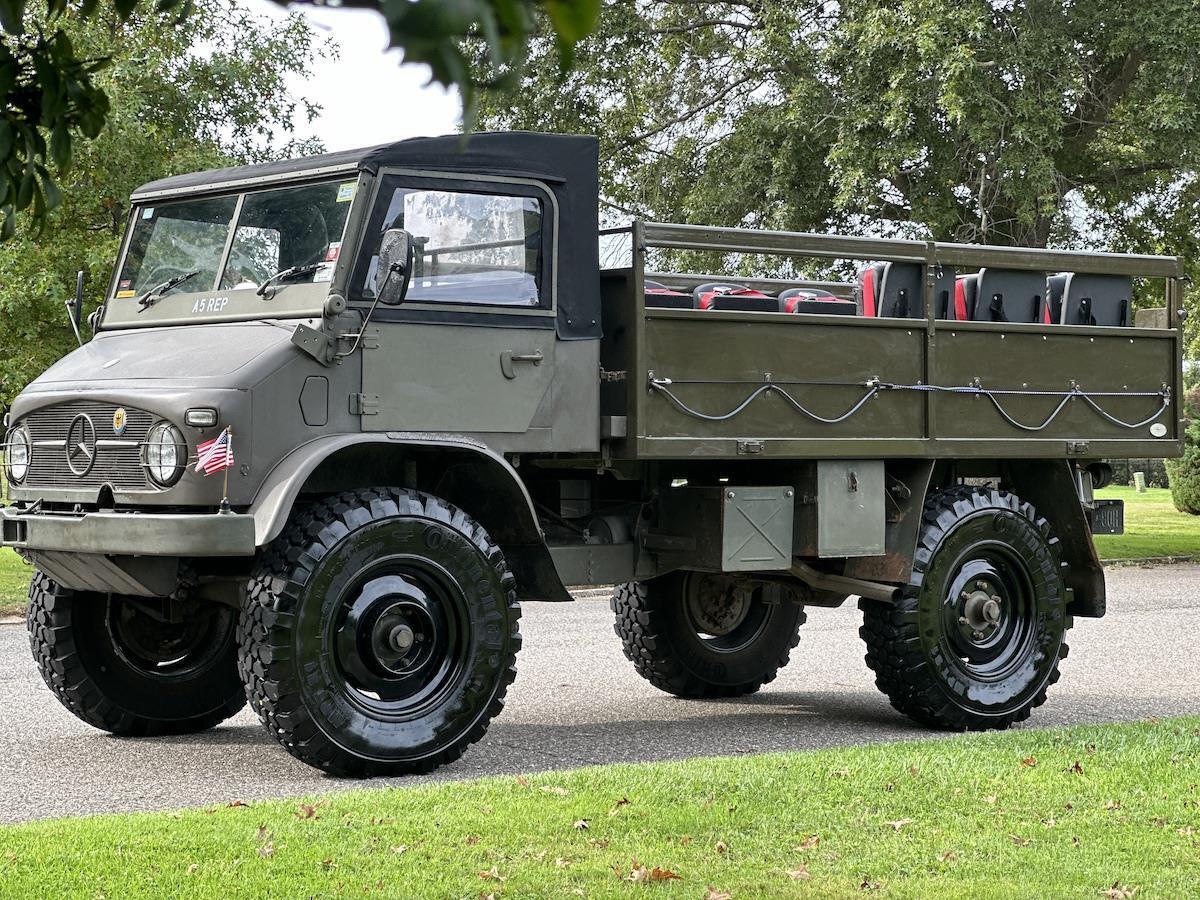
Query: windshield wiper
[155, 293]
[289, 272]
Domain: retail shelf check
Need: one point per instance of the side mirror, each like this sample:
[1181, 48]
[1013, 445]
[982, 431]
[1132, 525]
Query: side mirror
[395, 266]
[75, 306]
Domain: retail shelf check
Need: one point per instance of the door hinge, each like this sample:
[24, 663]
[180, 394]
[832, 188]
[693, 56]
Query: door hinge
[750, 448]
[364, 404]
[1077, 448]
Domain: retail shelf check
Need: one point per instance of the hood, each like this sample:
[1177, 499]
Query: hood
[227, 355]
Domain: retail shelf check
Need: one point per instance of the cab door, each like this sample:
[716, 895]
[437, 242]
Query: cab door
[472, 349]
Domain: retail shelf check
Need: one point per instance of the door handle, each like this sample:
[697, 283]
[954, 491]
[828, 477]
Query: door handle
[508, 358]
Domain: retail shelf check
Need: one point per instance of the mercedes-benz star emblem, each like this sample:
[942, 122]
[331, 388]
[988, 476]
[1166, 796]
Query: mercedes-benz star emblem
[81, 445]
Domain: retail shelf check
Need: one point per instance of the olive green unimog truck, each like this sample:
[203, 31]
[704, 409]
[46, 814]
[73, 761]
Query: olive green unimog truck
[341, 416]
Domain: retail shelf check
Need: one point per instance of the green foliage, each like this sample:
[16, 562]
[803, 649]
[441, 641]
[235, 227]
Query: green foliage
[52, 88]
[1183, 474]
[1027, 122]
[434, 32]
[174, 109]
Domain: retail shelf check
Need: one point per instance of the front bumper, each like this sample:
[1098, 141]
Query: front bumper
[129, 533]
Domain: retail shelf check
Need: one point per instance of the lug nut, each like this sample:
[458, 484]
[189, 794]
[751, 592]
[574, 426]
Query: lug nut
[978, 635]
[962, 620]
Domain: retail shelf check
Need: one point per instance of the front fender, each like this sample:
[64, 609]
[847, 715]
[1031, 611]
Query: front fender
[273, 503]
[458, 469]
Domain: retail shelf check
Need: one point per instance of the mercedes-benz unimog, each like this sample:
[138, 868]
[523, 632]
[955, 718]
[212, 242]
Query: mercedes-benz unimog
[341, 416]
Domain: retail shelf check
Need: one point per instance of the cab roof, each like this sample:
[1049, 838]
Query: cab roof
[567, 164]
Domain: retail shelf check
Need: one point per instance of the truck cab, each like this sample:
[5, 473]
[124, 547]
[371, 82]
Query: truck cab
[341, 415]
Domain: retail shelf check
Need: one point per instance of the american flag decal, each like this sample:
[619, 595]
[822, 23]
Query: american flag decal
[215, 455]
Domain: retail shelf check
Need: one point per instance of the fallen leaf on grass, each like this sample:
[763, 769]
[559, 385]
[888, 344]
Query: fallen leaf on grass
[472, 840]
[913, 771]
[1029, 762]
[193, 868]
[598, 843]
[1049, 823]
[1020, 841]
[721, 847]
[1186, 831]
[948, 856]
[267, 850]
[1118, 891]
[306, 811]
[523, 781]
[561, 863]
[800, 873]
[581, 825]
[328, 864]
[809, 842]
[1074, 842]
[1112, 805]
[624, 801]
[262, 834]
[899, 823]
[990, 799]
[868, 885]
[492, 874]
[711, 893]
[1076, 768]
[554, 789]
[400, 848]
[640, 874]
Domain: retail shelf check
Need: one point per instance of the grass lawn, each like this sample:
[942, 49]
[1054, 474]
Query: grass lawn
[1084, 812]
[14, 583]
[1153, 527]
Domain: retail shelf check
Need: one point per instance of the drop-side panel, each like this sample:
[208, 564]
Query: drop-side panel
[716, 363]
[1123, 363]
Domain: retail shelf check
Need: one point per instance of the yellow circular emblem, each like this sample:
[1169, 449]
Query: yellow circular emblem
[119, 420]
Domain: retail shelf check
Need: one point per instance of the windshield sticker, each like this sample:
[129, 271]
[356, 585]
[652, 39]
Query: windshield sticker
[210, 304]
[122, 295]
[148, 212]
[346, 192]
[331, 254]
[325, 273]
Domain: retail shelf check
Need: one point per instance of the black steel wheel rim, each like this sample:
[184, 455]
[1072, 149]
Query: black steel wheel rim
[988, 614]
[725, 619]
[147, 641]
[400, 638]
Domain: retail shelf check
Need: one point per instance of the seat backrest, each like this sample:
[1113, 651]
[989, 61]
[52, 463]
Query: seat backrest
[815, 301]
[1011, 295]
[1096, 300]
[889, 289]
[1056, 289]
[659, 296]
[966, 288]
[704, 293]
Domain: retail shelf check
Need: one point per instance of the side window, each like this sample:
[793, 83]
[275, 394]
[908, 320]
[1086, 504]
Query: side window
[473, 248]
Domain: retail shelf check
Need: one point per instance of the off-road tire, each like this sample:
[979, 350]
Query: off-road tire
[80, 663]
[911, 643]
[666, 650]
[304, 698]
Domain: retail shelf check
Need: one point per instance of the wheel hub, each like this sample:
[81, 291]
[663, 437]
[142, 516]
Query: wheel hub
[717, 609]
[393, 638]
[982, 607]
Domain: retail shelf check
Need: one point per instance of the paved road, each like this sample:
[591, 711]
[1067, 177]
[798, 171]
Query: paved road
[578, 702]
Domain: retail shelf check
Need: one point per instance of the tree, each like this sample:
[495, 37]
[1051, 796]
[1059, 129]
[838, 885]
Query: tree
[51, 93]
[211, 92]
[1002, 121]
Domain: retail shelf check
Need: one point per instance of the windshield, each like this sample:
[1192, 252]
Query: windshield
[236, 242]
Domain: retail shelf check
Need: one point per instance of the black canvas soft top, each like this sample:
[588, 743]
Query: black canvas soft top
[567, 164]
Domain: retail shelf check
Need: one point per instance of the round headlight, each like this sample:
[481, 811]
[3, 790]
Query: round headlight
[166, 453]
[16, 454]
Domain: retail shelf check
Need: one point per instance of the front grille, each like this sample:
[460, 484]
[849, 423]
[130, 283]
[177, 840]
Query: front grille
[118, 457]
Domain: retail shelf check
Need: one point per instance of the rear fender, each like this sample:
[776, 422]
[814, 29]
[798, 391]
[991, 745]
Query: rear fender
[1050, 486]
